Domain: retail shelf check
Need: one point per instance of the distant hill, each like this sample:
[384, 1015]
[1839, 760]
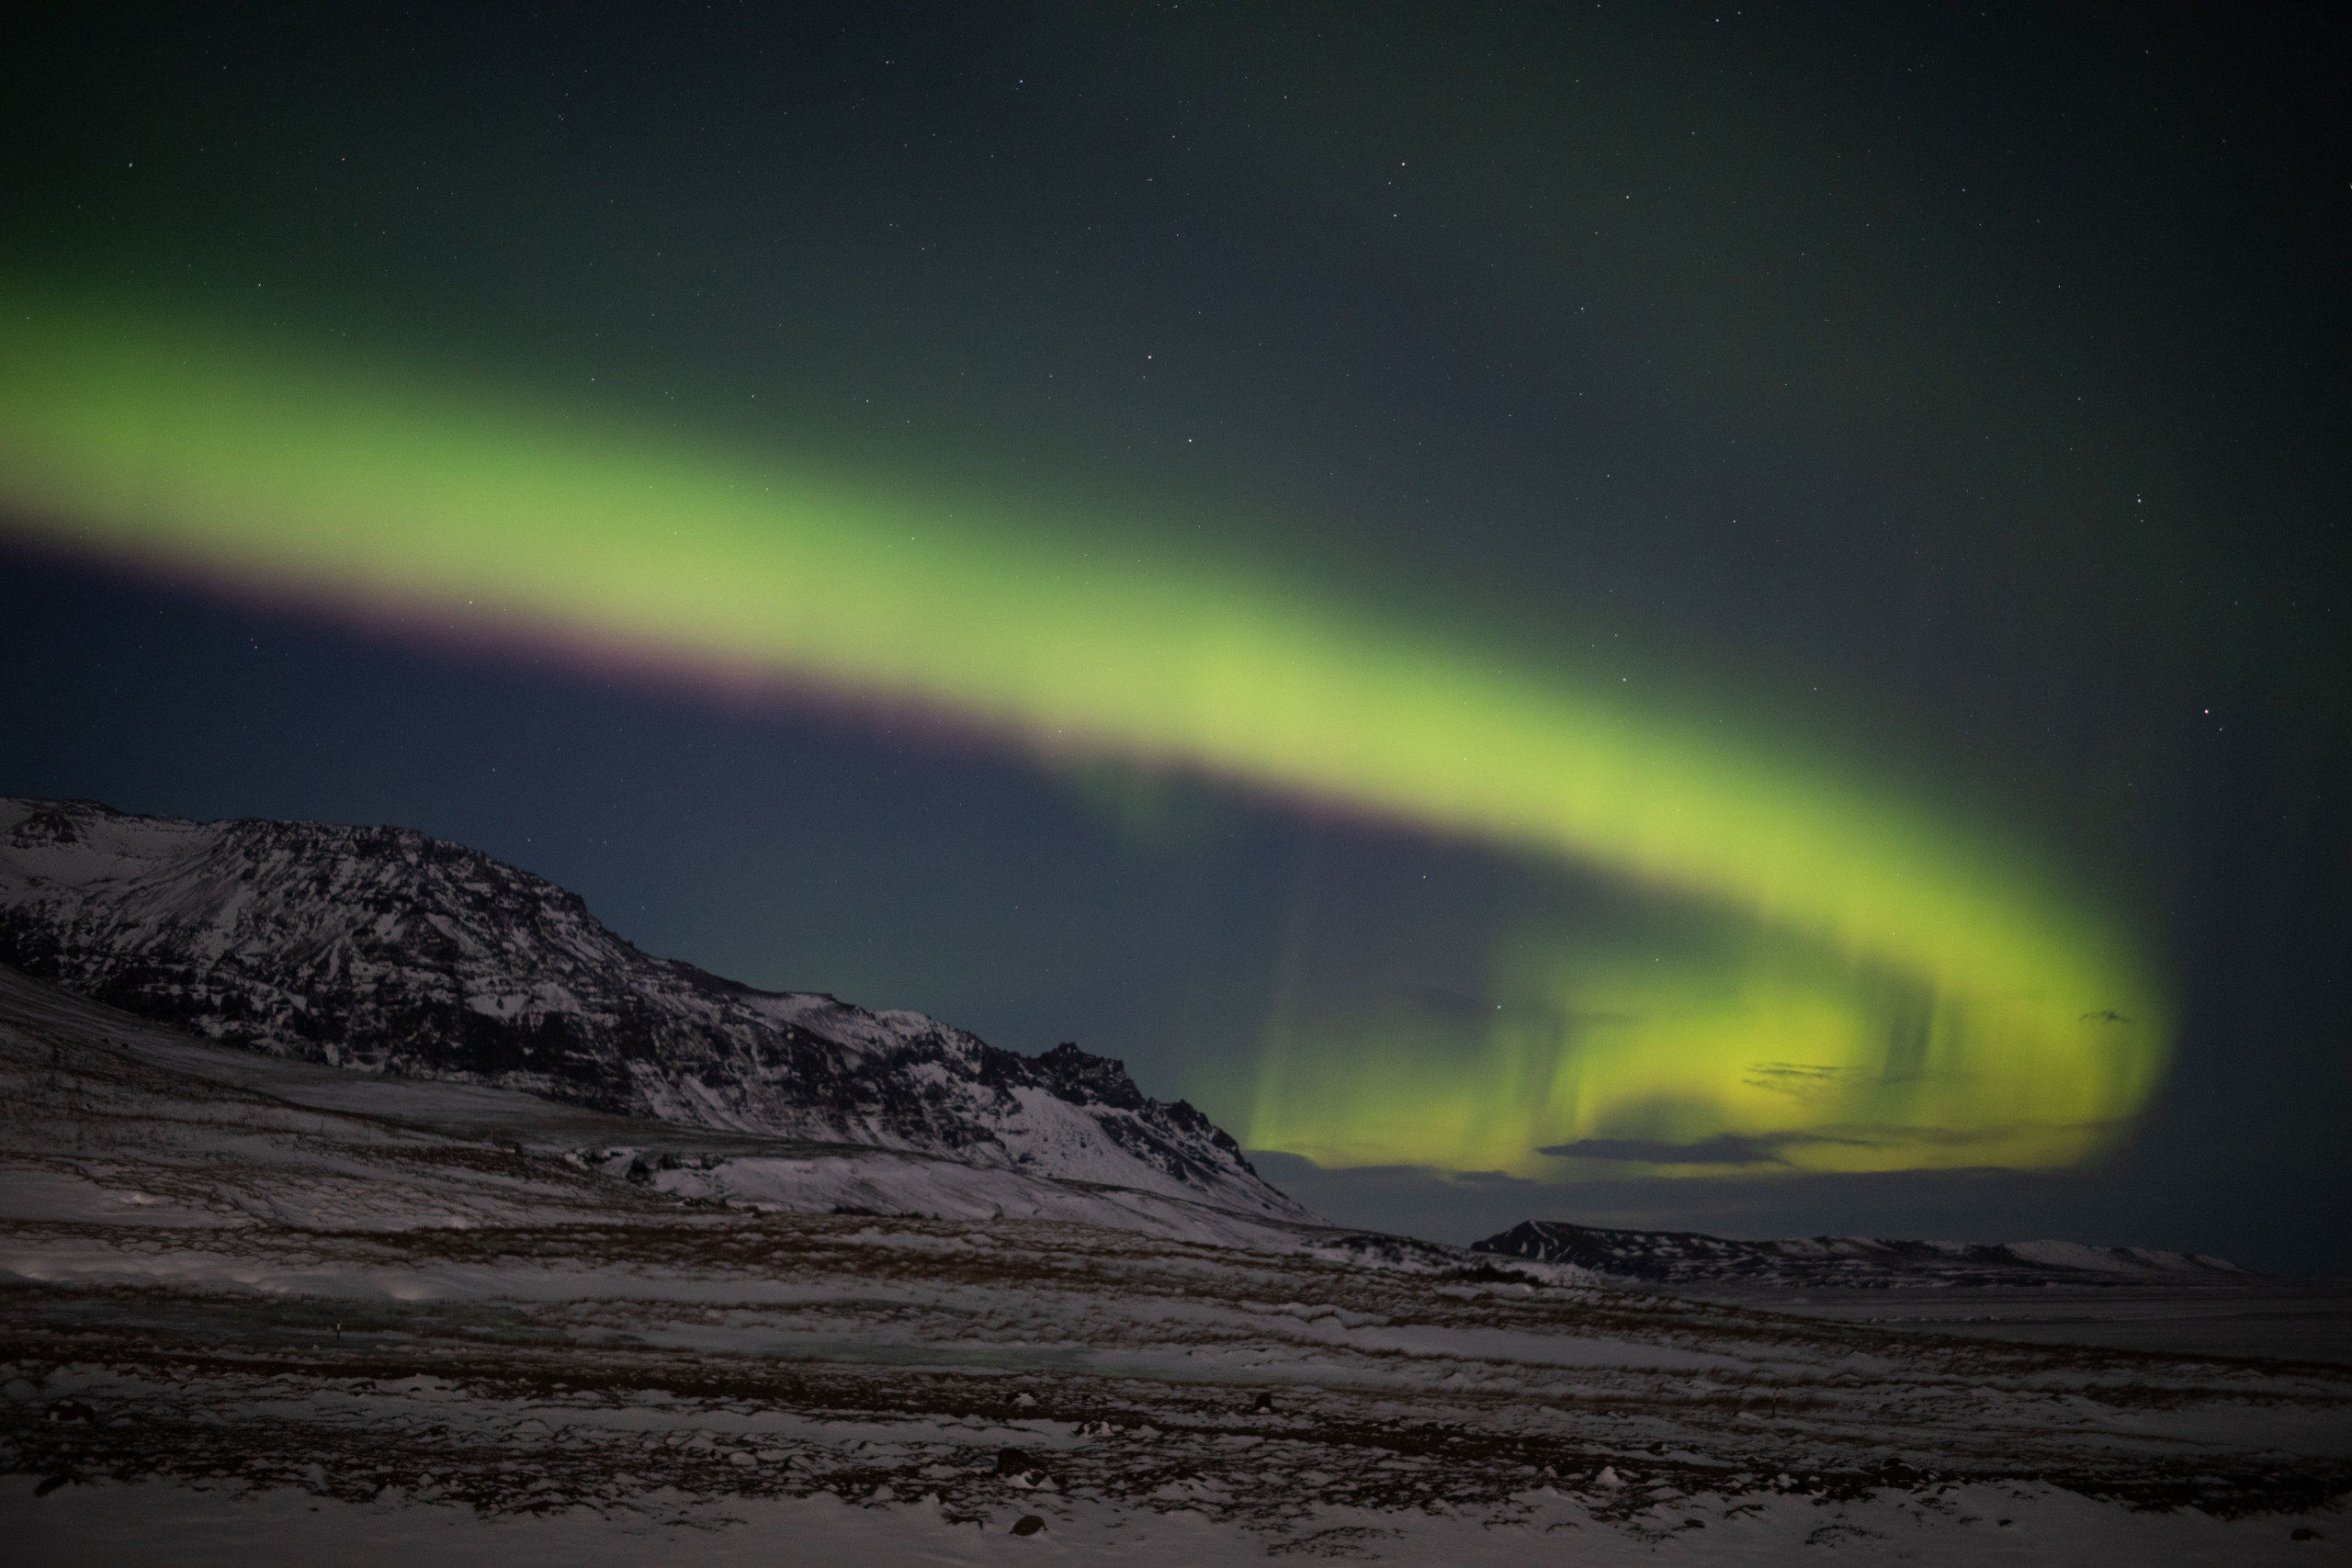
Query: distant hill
[1869, 1263]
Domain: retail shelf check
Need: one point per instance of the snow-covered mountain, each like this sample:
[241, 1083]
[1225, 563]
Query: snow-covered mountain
[1687, 1257]
[383, 951]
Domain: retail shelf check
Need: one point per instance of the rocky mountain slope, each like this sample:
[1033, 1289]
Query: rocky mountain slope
[1686, 1258]
[382, 950]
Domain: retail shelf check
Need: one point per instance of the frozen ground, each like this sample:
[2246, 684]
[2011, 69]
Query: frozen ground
[2287, 1319]
[248, 1309]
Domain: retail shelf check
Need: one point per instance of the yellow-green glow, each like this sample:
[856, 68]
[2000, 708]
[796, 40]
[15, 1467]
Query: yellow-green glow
[228, 456]
[1808, 1059]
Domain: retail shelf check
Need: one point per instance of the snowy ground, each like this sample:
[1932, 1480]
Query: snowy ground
[243, 1310]
[2278, 1319]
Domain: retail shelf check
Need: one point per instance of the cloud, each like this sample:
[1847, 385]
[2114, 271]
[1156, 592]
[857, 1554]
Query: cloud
[1962, 1137]
[1765, 1148]
[1723, 1148]
[1491, 1179]
[1800, 1080]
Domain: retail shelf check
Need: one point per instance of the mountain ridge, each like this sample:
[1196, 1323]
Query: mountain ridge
[1692, 1258]
[383, 950]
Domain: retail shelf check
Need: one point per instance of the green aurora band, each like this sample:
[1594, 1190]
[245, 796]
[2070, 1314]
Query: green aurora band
[1895, 990]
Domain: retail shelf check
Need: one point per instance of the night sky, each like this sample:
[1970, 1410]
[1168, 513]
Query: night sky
[1729, 619]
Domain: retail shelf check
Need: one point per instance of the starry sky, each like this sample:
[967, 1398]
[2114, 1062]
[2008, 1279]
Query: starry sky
[1663, 615]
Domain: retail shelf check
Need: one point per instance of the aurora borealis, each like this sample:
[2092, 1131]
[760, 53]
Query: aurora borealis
[187, 451]
[1528, 617]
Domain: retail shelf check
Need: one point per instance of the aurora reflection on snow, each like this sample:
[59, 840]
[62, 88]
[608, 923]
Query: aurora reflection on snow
[1884, 989]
